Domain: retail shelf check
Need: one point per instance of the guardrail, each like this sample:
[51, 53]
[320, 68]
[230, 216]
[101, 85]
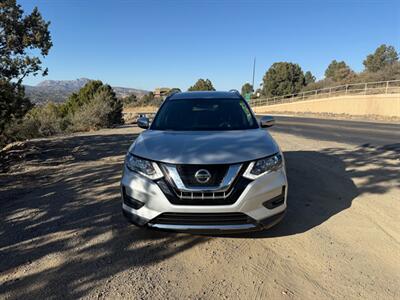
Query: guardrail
[368, 88]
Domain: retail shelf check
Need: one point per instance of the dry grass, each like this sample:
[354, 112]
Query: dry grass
[145, 109]
[131, 113]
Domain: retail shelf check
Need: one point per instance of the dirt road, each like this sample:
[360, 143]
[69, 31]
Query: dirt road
[62, 234]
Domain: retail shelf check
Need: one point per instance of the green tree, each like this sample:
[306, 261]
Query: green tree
[309, 78]
[130, 100]
[338, 71]
[247, 88]
[91, 90]
[282, 78]
[107, 94]
[382, 57]
[83, 96]
[20, 36]
[13, 104]
[202, 85]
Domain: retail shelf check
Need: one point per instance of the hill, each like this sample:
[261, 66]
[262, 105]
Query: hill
[60, 90]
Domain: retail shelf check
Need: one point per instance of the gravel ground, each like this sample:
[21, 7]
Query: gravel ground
[62, 234]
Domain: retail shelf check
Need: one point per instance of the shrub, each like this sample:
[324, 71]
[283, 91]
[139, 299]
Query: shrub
[146, 100]
[389, 72]
[77, 101]
[40, 121]
[96, 114]
[48, 119]
[93, 107]
[321, 84]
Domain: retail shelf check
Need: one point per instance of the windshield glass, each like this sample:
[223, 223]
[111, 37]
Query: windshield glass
[204, 114]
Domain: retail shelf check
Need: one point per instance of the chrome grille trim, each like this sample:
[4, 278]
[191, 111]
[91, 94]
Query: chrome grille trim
[226, 183]
[203, 195]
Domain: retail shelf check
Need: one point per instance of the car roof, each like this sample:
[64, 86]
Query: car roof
[205, 95]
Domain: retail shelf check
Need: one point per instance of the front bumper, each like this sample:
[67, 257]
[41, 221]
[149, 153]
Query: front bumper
[263, 201]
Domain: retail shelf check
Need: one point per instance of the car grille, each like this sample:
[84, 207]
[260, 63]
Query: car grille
[187, 172]
[203, 219]
[203, 195]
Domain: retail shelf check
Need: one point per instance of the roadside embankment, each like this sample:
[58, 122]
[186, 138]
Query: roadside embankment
[131, 113]
[376, 106]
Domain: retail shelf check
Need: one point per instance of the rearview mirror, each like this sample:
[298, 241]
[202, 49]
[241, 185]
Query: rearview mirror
[143, 122]
[267, 121]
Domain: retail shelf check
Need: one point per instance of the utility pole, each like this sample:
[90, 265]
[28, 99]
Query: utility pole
[254, 71]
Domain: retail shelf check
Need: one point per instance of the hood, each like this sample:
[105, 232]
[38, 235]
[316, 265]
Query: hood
[204, 147]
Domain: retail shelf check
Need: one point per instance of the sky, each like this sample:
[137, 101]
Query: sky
[171, 43]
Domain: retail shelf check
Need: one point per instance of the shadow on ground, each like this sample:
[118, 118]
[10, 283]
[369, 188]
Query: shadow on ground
[321, 184]
[62, 232]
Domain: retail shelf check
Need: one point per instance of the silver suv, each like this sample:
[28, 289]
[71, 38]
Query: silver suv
[204, 164]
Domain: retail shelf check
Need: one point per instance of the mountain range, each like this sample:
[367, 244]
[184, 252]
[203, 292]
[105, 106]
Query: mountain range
[60, 90]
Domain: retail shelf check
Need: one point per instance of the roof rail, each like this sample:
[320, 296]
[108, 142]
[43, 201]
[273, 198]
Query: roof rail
[235, 91]
[174, 92]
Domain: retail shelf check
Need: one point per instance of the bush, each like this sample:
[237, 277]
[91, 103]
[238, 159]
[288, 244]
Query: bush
[40, 121]
[93, 107]
[96, 114]
[389, 72]
[146, 100]
[48, 119]
[321, 84]
[77, 101]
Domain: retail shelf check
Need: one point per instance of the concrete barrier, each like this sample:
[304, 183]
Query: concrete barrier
[387, 105]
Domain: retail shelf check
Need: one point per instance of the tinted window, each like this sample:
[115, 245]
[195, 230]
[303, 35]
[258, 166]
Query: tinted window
[204, 114]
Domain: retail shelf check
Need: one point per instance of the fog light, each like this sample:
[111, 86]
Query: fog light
[276, 201]
[131, 202]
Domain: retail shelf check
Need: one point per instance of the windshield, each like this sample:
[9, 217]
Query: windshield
[204, 114]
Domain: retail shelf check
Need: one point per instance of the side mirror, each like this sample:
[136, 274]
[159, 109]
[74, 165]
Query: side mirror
[143, 122]
[267, 121]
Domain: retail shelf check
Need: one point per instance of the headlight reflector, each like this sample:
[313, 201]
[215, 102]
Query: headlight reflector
[263, 166]
[144, 167]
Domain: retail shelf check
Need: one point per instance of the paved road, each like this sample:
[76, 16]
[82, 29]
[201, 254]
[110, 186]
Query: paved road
[351, 132]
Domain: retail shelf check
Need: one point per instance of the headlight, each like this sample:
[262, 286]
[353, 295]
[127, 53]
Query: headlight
[144, 167]
[263, 166]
